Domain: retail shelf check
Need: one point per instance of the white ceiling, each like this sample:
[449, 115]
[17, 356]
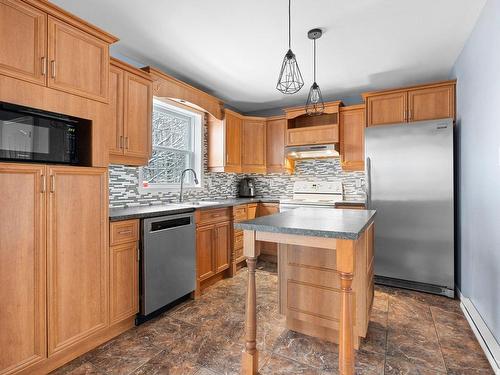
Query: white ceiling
[234, 48]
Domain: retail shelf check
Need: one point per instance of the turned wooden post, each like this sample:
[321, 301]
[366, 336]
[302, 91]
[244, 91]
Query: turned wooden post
[346, 346]
[250, 356]
[345, 266]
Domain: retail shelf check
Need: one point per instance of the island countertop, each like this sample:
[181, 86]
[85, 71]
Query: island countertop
[316, 222]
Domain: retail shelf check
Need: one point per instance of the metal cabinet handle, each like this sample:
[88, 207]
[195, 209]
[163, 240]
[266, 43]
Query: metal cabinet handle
[120, 144]
[52, 183]
[409, 114]
[44, 66]
[53, 68]
[126, 143]
[125, 232]
[138, 254]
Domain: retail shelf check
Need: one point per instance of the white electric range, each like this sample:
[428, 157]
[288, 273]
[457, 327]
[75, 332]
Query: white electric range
[313, 194]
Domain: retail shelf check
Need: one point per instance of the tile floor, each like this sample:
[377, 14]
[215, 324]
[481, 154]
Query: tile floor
[409, 333]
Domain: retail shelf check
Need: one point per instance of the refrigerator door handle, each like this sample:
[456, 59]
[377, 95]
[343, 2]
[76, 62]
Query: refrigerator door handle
[368, 183]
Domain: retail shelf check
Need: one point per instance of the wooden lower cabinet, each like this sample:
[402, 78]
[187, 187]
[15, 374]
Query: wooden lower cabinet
[54, 266]
[23, 334]
[222, 246]
[213, 246]
[123, 270]
[77, 261]
[204, 252]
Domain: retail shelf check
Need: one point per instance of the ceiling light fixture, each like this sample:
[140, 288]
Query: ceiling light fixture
[314, 104]
[290, 80]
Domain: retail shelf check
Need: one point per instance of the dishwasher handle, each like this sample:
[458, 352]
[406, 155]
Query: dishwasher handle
[169, 223]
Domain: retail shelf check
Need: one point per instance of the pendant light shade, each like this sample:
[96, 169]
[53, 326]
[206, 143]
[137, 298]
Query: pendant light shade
[290, 79]
[315, 105]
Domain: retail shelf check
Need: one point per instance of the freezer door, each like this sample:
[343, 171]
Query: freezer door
[411, 187]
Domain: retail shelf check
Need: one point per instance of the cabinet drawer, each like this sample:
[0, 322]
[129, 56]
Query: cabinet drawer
[217, 215]
[123, 231]
[238, 240]
[240, 213]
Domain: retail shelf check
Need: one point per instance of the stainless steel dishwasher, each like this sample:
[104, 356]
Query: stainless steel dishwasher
[168, 260]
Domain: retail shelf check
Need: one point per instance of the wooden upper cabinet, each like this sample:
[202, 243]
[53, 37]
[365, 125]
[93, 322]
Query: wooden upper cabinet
[253, 158]
[130, 115]
[275, 146]
[77, 260]
[431, 103]
[222, 246]
[416, 103]
[138, 106]
[23, 41]
[352, 137]
[313, 135]
[22, 267]
[386, 109]
[115, 121]
[224, 143]
[233, 140]
[78, 62]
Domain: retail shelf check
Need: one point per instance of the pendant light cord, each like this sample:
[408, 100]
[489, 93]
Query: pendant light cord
[314, 65]
[289, 24]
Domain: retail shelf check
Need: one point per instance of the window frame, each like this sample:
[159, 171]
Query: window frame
[197, 144]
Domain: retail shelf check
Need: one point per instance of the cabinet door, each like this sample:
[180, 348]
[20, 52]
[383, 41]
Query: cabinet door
[78, 62]
[312, 135]
[431, 103]
[22, 267]
[77, 258]
[205, 242]
[253, 159]
[124, 282]
[222, 246]
[233, 142]
[115, 121]
[275, 147]
[138, 106]
[23, 41]
[352, 139]
[386, 108]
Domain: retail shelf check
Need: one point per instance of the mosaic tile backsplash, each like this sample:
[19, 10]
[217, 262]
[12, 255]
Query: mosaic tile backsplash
[124, 183]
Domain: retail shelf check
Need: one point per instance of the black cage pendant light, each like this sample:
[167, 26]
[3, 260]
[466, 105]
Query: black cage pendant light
[290, 80]
[315, 105]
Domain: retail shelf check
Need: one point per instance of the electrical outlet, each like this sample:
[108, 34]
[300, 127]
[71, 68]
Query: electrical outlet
[358, 182]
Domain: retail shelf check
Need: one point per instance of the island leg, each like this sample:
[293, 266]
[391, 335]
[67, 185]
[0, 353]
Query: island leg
[345, 265]
[250, 356]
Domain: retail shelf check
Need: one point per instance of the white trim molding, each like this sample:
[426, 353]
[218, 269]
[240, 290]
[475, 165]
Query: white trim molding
[483, 334]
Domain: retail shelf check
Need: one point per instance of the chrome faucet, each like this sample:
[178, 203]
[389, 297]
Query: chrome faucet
[182, 181]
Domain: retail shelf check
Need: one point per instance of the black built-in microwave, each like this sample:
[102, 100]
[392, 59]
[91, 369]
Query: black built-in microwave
[32, 135]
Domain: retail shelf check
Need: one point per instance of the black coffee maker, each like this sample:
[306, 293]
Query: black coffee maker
[247, 187]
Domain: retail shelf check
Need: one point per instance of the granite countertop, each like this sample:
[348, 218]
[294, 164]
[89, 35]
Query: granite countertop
[316, 222]
[141, 212]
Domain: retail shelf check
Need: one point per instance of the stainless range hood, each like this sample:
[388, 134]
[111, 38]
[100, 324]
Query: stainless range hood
[312, 151]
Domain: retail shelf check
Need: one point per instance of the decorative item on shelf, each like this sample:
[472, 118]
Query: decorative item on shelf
[315, 105]
[290, 80]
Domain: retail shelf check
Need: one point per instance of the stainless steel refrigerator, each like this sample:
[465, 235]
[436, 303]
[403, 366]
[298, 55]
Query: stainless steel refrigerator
[409, 179]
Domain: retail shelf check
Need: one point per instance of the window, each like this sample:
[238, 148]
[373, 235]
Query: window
[176, 144]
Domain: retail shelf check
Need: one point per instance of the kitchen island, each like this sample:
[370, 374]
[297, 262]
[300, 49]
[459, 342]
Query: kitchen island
[325, 272]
